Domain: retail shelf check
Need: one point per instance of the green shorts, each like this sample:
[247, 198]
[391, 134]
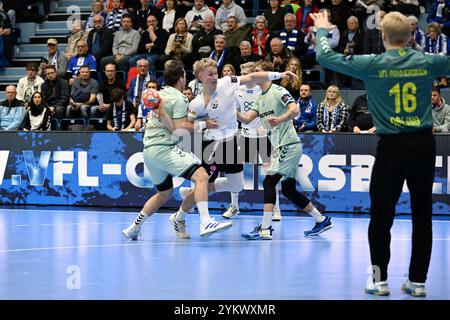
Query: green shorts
[163, 161]
[284, 160]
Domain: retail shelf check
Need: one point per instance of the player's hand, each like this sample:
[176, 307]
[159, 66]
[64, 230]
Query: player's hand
[274, 121]
[261, 131]
[289, 75]
[212, 124]
[321, 20]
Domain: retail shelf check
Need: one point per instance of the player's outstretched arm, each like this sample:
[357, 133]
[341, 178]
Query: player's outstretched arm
[262, 76]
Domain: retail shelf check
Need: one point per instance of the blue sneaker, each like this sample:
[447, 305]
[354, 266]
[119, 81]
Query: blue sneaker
[378, 288]
[319, 227]
[416, 289]
[259, 234]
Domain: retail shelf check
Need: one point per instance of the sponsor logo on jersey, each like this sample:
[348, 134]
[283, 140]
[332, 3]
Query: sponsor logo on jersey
[234, 79]
[286, 97]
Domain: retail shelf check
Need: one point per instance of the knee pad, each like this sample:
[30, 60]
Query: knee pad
[289, 190]
[232, 183]
[269, 184]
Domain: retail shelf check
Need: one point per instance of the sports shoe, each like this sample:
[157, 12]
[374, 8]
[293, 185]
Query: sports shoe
[212, 226]
[231, 212]
[131, 233]
[416, 289]
[259, 234]
[184, 191]
[276, 215]
[178, 226]
[320, 227]
[378, 288]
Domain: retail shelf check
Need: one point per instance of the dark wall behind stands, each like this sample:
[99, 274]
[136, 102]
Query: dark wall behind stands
[106, 169]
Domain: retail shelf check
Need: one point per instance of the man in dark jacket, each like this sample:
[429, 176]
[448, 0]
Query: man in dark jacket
[100, 41]
[203, 41]
[55, 91]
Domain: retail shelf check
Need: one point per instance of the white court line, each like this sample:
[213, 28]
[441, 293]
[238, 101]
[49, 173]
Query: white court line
[175, 242]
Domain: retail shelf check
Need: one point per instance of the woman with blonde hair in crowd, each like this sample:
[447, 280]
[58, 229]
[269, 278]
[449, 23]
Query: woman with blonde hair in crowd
[228, 70]
[293, 87]
[332, 112]
[179, 44]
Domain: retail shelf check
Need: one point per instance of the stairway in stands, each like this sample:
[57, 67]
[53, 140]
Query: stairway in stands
[33, 49]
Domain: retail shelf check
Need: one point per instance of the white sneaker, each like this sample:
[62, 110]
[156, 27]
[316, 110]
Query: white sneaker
[213, 226]
[378, 288]
[276, 216]
[184, 191]
[231, 212]
[178, 226]
[131, 233]
[416, 289]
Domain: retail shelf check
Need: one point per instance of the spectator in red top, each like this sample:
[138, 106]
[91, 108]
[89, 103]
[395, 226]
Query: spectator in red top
[259, 35]
[304, 20]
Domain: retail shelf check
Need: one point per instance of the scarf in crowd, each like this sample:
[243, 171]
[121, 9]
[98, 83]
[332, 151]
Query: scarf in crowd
[220, 60]
[330, 118]
[114, 19]
[55, 59]
[124, 114]
[437, 46]
[289, 40]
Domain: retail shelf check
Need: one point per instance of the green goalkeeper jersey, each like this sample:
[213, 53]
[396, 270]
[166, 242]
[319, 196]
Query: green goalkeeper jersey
[398, 83]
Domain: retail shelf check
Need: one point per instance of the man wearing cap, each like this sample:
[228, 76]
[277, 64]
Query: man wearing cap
[55, 58]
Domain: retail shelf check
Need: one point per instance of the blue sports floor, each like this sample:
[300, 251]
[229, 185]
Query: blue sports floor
[52, 253]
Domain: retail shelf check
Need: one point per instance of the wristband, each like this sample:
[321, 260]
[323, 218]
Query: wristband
[274, 76]
[201, 125]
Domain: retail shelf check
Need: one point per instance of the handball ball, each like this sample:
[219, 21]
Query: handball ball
[151, 98]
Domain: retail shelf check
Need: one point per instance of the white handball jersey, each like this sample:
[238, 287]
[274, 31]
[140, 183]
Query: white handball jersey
[245, 97]
[221, 107]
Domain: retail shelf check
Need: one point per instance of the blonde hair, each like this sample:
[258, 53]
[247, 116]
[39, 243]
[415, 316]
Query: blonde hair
[294, 85]
[396, 27]
[248, 65]
[338, 98]
[202, 64]
[230, 66]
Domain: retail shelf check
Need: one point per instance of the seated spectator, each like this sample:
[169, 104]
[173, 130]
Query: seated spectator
[417, 40]
[100, 40]
[179, 44]
[332, 112]
[121, 114]
[234, 35]
[246, 53]
[259, 36]
[110, 4]
[196, 16]
[303, 19]
[7, 38]
[83, 95]
[152, 44]
[38, 115]
[188, 93]
[350, 43]
[152, 84]
[83, 58]
[171, 14]
[293, 86]
[29, 84]
[12, 111]
[228, 70]
[203, 40]
[360, 120]
[407, 7]
[114, 18]
[292, 38]
[125, 45]
[275, 16]
[290, 7]
[138, 83]
[97, 9]
[364, 8]
[373, 41]
[76, 34]
[441, 112]
[306, 120]
[279, 55]
[440, 13]
[230, 8]
[309, 59]
[222, 54]
[339, 13]
[109, 82]
[55, 91]
[54, 58]
[435, 41]
[141, 15]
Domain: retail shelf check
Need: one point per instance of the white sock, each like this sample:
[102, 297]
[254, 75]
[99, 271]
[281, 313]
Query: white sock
[267, 220]
[316, 215]
[180, 215]
[203, 211]
[277, 202]
[140, 219]
[235, 199]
